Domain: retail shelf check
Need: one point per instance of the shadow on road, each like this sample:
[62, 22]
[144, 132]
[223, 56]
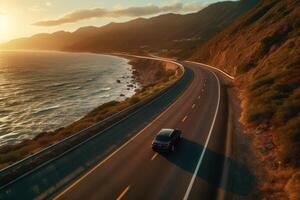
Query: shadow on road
[240, 180]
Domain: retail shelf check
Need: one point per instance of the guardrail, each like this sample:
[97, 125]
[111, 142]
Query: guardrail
[209, 66]
[24, 166]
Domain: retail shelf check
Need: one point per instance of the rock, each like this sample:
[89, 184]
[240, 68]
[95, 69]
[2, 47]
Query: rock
[122, 95]
[118, 81]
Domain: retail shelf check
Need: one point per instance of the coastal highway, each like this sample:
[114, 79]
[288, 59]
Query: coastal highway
[107, 167]
[193, 171]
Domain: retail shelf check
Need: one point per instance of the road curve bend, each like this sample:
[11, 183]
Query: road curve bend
[134, 171]
[128, 168]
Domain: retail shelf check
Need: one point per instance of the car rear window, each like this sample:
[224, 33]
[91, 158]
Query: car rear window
[163, 138]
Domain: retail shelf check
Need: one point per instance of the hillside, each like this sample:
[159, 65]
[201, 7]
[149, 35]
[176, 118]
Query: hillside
[176, 34]
[262, 49]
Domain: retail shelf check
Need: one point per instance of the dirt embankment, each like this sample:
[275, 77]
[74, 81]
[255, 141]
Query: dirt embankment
[149, 72]
[262, 50]
[153, 76]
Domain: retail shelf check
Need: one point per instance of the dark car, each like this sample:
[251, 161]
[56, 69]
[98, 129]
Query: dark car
[166, 140]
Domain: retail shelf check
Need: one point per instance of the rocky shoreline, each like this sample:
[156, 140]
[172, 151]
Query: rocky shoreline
[152, 76]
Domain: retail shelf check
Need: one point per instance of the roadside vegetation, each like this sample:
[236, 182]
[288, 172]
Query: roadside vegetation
[262, 50]
[153, 76]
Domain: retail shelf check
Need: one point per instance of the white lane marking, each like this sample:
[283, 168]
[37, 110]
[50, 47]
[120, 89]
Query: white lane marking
[113, 153]
[159, 59]
[154, 156]
[123, 193]
[184, 119]
[225, 73]
[193, 106]
[188, 191]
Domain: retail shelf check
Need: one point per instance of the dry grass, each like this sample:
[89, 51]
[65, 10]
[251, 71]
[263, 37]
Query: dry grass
[262, 49]
[293, 186]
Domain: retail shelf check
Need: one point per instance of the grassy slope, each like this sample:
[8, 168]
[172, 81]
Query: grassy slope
[262, 49]
[160, 79]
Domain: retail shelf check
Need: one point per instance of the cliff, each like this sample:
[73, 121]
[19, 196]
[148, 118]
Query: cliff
[262, 50]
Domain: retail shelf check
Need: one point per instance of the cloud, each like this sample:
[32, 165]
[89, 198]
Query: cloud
[84, 14]
[36, 8]
[192, 7]
[40, 7]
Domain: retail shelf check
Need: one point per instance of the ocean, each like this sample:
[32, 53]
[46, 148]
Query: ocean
[44, 91]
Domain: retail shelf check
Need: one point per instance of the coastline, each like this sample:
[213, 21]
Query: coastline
[42, 91]
[152, 76]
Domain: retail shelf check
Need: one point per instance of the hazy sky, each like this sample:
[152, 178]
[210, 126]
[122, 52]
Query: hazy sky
[19, 18]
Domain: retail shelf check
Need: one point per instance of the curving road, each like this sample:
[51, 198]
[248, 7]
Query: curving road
[127, 168]
[194, 171]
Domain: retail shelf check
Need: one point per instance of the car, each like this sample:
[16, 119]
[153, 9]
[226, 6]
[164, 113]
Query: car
[166, 140]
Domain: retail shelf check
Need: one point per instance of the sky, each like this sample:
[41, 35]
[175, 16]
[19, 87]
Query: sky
[23, 18]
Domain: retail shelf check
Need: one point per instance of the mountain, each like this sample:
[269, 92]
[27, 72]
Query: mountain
[171, 32]
[262, 50]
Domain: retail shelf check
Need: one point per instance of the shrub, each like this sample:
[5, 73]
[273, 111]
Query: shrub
[10, 157]
[290, 108]
[260, 13]
[293, 186]
[159, 74]
[243, 68]
[289, 140]
[287, 112]
[259, 115]
[134, 100]
[261, 82]
[295, 64]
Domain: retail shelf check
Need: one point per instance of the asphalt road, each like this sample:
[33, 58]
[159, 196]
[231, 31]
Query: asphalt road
[118, 163]
[199, 167]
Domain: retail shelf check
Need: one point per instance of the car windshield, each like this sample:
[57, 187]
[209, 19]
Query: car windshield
[162, 138]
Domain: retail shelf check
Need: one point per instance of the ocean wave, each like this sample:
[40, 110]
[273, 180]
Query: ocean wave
[9, 136]
[25, 137]
[3, 98]
[45, 109]
[100, 91]
[10, 141]
[105, 89]
[23, 91]
[90, 80]
[54, 96]
[76, 88]
[58, 84]
[104, 96]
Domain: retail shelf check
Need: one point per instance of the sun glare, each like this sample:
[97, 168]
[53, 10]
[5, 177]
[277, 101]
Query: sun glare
[4, 27]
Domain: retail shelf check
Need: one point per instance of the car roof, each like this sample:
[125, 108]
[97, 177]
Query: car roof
[166, 132]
